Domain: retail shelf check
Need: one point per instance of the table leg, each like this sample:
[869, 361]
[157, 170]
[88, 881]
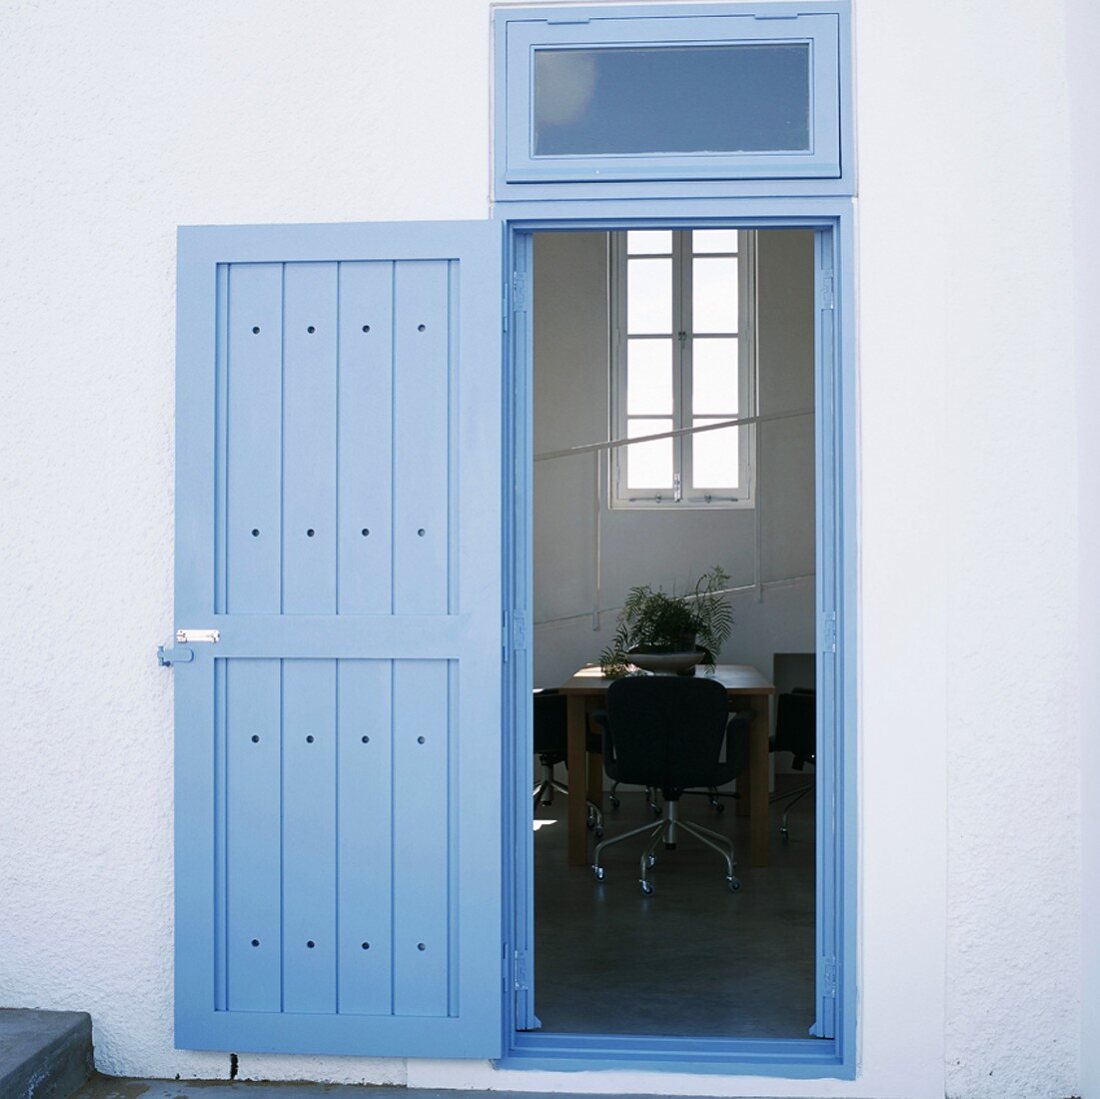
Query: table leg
[576, 756]
[594, 761]
[759, 831]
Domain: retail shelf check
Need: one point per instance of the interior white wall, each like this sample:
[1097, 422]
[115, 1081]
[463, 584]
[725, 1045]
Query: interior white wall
[667, 548]
[123, 119]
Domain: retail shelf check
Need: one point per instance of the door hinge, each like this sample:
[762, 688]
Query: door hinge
[519, 291]
[828, 293]
[174, 654]
[829, 632]
[519, 631]
[520, 977]
[513, 633]
[825, 1024]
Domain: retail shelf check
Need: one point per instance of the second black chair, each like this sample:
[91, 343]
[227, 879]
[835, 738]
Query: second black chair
[671, 732]
[550, 740]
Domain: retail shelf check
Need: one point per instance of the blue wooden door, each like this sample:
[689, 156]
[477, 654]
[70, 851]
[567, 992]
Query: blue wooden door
[338, 810]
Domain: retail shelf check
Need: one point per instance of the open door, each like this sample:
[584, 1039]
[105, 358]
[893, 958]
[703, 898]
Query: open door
[338, 646]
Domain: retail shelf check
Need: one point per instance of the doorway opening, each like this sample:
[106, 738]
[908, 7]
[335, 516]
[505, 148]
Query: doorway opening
[705, 341]
[668, 334]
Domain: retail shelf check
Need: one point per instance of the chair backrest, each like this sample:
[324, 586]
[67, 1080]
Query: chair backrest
[667, 731]
[549, 723]
[796, 726]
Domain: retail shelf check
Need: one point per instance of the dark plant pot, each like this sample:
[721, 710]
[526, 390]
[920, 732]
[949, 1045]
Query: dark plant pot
[664, 662]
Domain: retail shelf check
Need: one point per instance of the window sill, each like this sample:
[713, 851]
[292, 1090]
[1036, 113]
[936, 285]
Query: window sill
[682, 505]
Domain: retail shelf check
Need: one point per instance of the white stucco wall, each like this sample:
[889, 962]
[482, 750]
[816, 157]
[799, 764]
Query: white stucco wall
[124, 118]
[1083, 37]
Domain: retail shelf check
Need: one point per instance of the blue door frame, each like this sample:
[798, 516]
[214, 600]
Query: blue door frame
[831, 1050]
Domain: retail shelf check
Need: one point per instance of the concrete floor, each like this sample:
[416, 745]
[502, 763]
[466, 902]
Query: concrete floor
[693, 959]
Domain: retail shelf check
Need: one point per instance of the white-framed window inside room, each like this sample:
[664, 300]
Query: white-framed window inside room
[683, 358]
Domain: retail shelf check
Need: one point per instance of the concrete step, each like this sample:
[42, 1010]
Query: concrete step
[44, 1054]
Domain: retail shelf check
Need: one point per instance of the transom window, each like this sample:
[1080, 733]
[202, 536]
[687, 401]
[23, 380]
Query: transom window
[683, 363]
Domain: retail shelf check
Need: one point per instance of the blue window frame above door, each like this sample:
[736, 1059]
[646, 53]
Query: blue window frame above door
[677, 93]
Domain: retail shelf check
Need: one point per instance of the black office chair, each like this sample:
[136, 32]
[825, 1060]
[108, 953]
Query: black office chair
[795, 732]
[669, 732]
[550, 742]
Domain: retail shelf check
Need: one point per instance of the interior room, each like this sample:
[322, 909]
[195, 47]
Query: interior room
[672, 335]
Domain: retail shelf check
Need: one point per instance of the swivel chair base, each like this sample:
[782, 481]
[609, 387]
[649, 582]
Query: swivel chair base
[795, 797]
[667, 829]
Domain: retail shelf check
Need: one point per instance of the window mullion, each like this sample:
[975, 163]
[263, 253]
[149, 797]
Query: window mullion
[682, 395]
[746, 358]
[617, 418]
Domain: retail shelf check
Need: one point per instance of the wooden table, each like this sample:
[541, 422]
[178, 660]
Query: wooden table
[587, 691]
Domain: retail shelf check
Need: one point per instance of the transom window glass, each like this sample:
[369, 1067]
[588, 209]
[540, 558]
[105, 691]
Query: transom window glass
[683, 364]
[643, 100]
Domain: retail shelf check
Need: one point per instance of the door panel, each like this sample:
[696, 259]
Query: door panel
[338, 748]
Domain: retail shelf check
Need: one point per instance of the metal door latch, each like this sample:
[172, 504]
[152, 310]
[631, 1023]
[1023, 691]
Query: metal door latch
[190, 637]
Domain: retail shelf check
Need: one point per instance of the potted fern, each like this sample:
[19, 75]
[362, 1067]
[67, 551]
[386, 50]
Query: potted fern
[661, 631]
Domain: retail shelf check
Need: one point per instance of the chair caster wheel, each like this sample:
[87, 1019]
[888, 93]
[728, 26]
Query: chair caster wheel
[615, 803]
[598, 831]
[597, 873]
[734, 884]
[647, 888]
[719, 808]
[785, 836]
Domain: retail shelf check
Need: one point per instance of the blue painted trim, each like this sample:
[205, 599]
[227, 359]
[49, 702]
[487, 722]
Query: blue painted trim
[830, 170]
[832, 1055]
[797, 1058]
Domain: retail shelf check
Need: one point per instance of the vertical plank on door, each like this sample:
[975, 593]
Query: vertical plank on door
[421, 438]
[309, 830]
[364, 871]
[254, 445]
[252, 836]
[364, 583]
[309, 439]
[420, 842]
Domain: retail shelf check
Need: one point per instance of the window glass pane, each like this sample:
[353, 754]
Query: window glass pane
[649, 377]
[714, 240]
[714, 377]
[649, 296]
[716, 461]
[649, 465]
[746, 97]
[649, 242]
[714, 294]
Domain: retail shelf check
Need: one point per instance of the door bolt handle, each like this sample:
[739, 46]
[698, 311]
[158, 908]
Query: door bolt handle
[174, 654]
